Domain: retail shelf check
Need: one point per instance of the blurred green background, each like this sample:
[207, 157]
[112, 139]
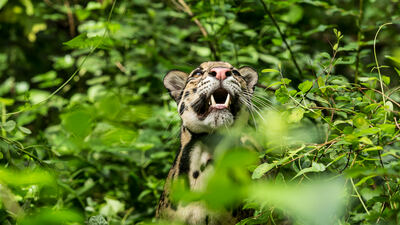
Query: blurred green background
[88, 132]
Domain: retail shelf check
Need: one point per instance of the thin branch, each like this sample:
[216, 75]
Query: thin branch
[377, 66]
[185, 8]
[359, 196]
[71, 21]
[359, 36]
[283, 36]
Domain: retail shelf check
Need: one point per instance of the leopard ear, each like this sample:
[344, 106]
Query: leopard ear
[175, 82]
[250, 75]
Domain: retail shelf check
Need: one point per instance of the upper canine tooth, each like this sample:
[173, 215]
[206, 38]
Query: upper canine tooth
[213, 100]
[228, 100]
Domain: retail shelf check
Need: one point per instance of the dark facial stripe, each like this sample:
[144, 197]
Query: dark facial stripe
[199, 103]
[182, 108]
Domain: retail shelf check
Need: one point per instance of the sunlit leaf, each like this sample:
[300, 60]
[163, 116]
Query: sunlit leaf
[305, 86]
[9, 125]
[261, 170]
[269, 71]
[25, 130]
[315, 167]
[3, 3]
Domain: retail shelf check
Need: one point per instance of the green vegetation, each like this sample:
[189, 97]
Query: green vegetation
[88, 132]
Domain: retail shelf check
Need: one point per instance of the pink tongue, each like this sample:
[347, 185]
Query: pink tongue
[219, 106]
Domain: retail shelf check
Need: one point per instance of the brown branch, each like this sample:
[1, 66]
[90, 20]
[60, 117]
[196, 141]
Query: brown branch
[185, 8]
[283, 36]
[390, 99]
[359, 37]
[120, 67]
[71, 21]
[397, 124]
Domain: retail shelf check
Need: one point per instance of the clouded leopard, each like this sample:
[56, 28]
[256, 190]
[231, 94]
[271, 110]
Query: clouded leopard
[208, 98]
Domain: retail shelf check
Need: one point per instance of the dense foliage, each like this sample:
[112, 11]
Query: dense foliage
[88, 132]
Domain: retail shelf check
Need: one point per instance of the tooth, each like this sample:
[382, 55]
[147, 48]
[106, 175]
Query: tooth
[213, 100]
[228, 100]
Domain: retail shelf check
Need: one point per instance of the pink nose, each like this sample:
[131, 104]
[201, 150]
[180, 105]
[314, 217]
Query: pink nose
[220, 73]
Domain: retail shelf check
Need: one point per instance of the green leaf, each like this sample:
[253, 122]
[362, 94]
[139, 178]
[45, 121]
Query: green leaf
[335, 47]
[394, 59]
[386, 79]
[368, 131]
[296, 115]
[6, 101]
[82, 41]
[112, 207]
[360, 121]
[26, 177]
[282, 95]
[97, 220]
[77, 122]
[3, 3]
[25, 130]
[29, 9]
[261, 170]
[364, 179]
[9, 125]
[397, 71]
[53, 216]
[269, 71]
[316, 167]
[321, 84]
[389, 106]
[285, 81]
[374, 148]
[366, 140]
[305, 86]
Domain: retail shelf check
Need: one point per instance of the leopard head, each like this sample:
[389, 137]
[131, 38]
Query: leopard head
[211, 95]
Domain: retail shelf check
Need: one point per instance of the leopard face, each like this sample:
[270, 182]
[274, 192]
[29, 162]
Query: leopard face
[211, 95]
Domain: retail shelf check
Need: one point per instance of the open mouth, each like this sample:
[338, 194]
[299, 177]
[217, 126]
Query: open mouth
[220, 99]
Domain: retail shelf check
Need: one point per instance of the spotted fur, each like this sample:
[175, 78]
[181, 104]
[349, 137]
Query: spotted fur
[199, 133]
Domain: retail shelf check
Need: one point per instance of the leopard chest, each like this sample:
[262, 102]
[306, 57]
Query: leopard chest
[200, 167]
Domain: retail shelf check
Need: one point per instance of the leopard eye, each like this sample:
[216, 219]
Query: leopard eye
[197, 73]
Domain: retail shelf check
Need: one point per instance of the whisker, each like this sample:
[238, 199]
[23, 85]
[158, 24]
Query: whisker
[251, 106]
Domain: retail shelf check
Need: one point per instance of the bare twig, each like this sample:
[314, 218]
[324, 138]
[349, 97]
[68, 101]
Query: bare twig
[120, 67]
[359, 196]
[378, 67]
[383, 94]
[181, 4]
[283, 36]
[397, 124]
[359, 36]
[71, 21]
